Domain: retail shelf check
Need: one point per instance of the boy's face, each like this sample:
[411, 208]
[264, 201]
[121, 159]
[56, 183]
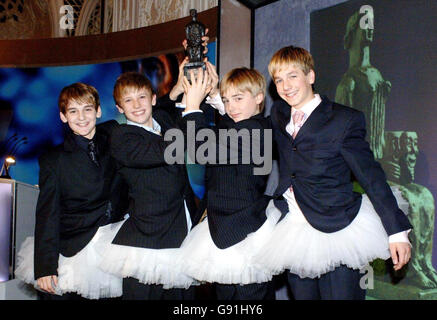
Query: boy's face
[293, 85]
[241, 105]
[81, 118]
[136, 104]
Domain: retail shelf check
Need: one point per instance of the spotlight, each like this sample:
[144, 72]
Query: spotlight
[9, 161]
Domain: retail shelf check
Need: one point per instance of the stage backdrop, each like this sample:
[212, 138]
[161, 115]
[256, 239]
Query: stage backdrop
[29, 115]
[382, 61]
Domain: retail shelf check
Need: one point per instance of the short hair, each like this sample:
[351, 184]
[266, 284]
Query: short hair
[79, 92]
[245, 79]
[131, 79]
[291, 55]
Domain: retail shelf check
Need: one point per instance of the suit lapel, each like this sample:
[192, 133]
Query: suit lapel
[69, 144]
[283, 111]
[101, 140]
[162, 120]
[316, 120]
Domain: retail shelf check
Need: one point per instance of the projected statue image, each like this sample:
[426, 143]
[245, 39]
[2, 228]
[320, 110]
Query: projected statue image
[399, 163]
[362, 86]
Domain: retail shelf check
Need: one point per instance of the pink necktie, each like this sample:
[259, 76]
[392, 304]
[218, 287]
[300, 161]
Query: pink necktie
[297, 121]
[298, 117]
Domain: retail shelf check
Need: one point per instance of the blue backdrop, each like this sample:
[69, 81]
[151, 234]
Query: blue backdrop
[28, 106]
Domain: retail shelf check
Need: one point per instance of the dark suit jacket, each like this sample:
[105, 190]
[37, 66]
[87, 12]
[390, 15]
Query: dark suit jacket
[156, 190]
[76, 197]
[234, 195]
[318, 164]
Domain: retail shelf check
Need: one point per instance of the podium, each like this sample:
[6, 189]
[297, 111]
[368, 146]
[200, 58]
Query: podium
[17, 222]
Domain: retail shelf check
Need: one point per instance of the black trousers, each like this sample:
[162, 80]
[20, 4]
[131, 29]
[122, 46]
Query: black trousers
[68, 296]
[135, 290]
[342, 283]
[254, 291]
[65, 296]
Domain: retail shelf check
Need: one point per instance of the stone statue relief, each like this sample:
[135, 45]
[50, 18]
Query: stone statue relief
[362, 86]
[399, 164]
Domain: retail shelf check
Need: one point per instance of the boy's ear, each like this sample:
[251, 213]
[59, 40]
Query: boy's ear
[99, 112]
[153, 99]
[259, 98]
[311, 76]
[120, 109]
[63, 117]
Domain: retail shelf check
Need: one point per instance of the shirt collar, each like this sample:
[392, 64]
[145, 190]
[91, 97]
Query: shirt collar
[310, 106]
[81, 141]
[156, 127]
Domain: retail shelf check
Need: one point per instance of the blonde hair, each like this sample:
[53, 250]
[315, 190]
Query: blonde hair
[291, 55]
[244, 79]
[79, 92]
[131, 79]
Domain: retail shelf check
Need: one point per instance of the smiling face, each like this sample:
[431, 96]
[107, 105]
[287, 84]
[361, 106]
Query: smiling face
[409, 150]
[241, 105]
[136, 104]
[392, 145]
[81, 118]
[293, 85]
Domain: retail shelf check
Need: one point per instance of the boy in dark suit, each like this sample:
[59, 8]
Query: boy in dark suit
[143, 246]
[327, 232]
[220, 249]
[80, 191]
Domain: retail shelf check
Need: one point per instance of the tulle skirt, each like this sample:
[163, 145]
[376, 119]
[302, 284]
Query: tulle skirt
[202, 260]
[80, 273]
[149, 266]
[303, 250]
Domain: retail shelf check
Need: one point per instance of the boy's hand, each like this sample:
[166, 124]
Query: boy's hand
[205, 40]
[213, 79]
[178, 87]
[400, 254]
[45, 283]
[392, 170]
[197, 90]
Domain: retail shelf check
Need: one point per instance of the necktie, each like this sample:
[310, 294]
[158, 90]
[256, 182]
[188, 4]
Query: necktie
[297, 121]
[92, 152]
[298, 117]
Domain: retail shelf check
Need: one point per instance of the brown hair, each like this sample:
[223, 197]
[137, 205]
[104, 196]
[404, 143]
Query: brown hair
[79, 92]
[133, 80]
[290, 55]
[244, 79]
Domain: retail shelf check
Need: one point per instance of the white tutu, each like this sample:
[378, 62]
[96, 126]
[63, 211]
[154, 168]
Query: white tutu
[79, 273]
[202, 260]
[149, 266]
[303, 250]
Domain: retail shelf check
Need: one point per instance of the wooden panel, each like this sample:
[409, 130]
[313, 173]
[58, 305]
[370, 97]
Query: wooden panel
[124, 45]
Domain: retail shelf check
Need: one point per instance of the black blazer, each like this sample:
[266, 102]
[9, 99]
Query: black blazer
[235, 197]
[156, 190]
[318, 164]
[75, 198]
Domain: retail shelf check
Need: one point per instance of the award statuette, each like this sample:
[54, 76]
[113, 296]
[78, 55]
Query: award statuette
[194, 31]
